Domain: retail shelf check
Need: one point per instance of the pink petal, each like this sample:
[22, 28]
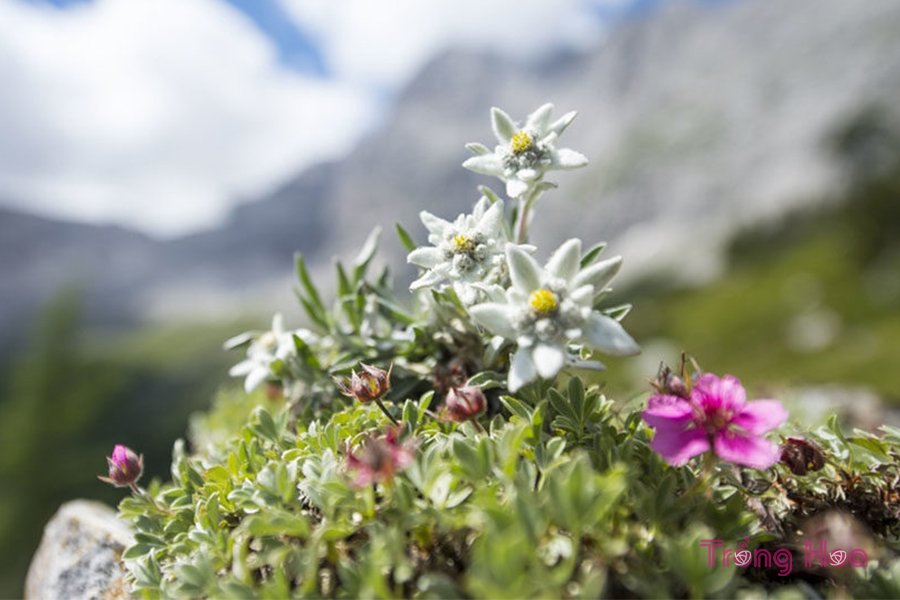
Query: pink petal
[760, 416]
[750, 451]
[364, 478]
[403, 457]
[666, 412]
[711, 391]
[678, 446]
[120, 454]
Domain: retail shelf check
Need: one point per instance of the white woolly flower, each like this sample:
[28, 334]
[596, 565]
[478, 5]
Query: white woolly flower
[264, 349]
[524, 154]
[467, 251]
[548, 309]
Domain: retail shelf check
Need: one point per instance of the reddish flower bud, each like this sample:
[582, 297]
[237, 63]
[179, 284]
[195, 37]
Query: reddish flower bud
[802, 456]
[455, 374]
[125, 467]
[464, 404]
[367, 385]
[378, 459]
[667, 383]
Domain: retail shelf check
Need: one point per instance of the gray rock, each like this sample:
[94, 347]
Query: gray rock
[80, 555]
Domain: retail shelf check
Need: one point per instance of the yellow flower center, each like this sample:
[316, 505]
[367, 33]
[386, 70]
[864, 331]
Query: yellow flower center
[462, 243]
[543, 301]
[521, 142]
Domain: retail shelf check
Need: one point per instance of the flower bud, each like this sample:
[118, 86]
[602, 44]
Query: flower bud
[464, 404]
[367, 385]
[802, 456]
[125, 467]
[669, 384]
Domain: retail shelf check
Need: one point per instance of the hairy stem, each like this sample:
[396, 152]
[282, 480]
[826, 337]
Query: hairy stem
[139, 492]
[385, 411]
[522, 228]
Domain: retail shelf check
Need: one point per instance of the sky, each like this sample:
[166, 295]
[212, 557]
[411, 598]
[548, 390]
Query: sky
[161, 115]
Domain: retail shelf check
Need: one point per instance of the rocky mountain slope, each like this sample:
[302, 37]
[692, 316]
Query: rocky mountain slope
[698, 119]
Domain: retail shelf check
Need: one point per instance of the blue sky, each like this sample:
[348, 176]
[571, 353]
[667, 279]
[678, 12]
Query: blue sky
[296, 49]
[162, 114]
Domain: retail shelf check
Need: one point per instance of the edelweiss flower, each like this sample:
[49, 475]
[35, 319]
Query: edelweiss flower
[264, 349]
[549, 308]
[524, 155]
[715, 417]
[469, 250]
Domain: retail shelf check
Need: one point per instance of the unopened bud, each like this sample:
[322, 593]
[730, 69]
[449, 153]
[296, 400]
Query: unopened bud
[464, 404]
[125, 467]
[670, 384]
[802, 456]
[371, 383]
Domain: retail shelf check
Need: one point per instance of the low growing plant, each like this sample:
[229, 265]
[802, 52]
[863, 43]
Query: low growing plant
[453, 449]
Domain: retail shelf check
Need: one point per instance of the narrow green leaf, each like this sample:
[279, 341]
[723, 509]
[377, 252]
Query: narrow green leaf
[362, 260]
[425, 401]
[410, 415]
[488, 193]
[487, 380]
[617, 312]
[317, 317]
[394, 311]
[344, 288]
[591, 255]
[138, 550]
[407, 241]
[516, 407]
[306, 282]
[576, 397]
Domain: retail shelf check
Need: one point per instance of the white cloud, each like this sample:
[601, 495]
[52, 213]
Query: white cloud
[384, 42]
[160, 114]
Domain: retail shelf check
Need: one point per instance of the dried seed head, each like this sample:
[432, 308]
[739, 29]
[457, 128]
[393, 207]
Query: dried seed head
[371, 383]
[379, 459]
[802, 456]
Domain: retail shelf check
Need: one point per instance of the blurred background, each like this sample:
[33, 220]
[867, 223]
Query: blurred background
[161, 160]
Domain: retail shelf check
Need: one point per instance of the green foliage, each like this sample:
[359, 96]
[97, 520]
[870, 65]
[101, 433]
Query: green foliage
[562, 498]
[811, 266]
[552, 492]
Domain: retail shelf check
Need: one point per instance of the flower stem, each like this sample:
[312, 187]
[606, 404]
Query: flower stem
[385, 411]
[432, 414]
[522, 233]
[706, 473]
[139, 492]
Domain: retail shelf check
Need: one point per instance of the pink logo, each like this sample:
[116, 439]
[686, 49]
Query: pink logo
[782, 559]
[743, 557]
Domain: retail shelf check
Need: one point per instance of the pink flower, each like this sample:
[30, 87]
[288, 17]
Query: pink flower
[125, 467]
[380, 458]
[716, 416]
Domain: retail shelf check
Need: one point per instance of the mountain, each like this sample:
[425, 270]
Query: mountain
[699, 119]
[39, 256]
